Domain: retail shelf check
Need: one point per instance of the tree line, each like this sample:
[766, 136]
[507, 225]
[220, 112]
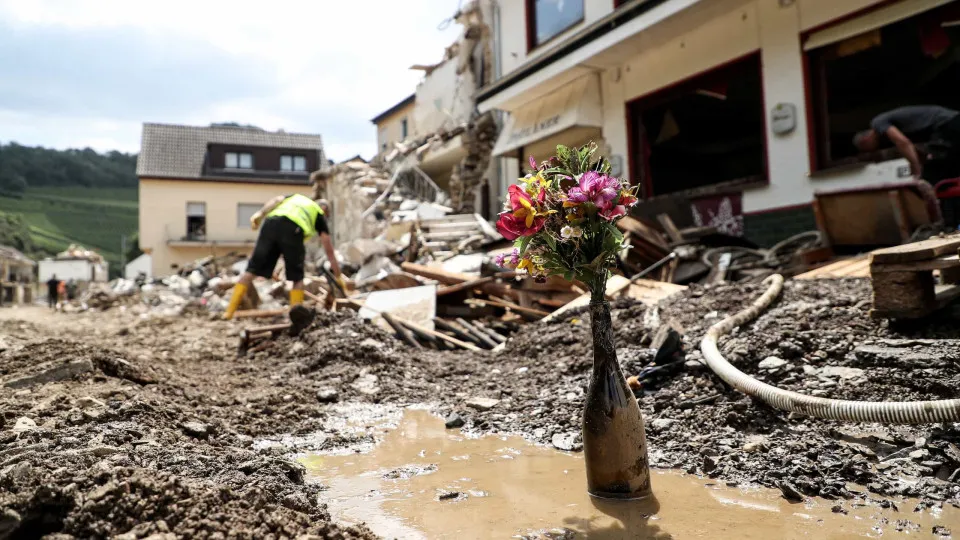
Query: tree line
[25, 166]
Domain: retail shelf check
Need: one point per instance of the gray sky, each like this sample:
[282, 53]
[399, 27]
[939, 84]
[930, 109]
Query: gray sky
[77, 73]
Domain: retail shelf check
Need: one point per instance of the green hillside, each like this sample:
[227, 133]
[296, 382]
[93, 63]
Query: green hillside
[95, 218]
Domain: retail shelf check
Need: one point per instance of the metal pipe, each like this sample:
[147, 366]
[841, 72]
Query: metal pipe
[893, 412]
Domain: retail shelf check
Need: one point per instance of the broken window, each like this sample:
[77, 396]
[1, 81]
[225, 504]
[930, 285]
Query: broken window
[196, 221]
[235, 160]
[548, 18]
[706, 131]
[914, 61]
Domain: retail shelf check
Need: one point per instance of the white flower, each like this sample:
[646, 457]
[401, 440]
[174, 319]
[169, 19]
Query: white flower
[571, 232]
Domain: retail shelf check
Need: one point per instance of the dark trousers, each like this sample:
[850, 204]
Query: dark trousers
[943, 153]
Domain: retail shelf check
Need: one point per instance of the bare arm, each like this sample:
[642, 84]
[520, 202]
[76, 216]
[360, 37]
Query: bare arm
[271, 204]
[907, 149]
[328, 249]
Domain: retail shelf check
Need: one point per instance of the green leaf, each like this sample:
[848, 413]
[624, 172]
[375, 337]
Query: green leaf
[522, 243]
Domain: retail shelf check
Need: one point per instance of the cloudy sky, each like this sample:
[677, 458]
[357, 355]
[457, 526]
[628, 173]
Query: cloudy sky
[78, 73]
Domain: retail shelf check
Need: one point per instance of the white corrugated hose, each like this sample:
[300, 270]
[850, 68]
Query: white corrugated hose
[887, 412]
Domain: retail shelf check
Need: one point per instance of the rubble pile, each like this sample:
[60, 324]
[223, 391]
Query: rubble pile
[75, 251]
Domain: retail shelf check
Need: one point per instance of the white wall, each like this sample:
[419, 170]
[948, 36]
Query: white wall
[67, 270]
[513, 31]
[143, 263]
[711, 34]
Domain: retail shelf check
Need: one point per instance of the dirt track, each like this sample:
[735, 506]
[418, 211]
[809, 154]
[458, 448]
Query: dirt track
[160, 427]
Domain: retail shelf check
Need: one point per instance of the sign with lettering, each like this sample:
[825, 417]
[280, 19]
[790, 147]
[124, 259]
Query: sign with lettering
[537, 127]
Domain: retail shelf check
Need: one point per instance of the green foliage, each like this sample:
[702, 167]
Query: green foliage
[14, 233]
[23, 167]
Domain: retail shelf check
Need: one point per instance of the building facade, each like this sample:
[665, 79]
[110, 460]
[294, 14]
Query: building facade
[395, 124]
[731, 113]
[200, 185]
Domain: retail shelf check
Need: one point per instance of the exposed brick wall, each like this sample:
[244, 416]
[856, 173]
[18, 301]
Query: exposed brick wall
[768, 228]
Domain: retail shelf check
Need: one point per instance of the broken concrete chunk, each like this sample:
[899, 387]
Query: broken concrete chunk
[454, 420]
[103, 451]
[566, 441]
[790, 492]
[88, 402]
[481, 403]
[196, 429]
[662, 423]
[366, 384]
[327, 395]
[61, 372]
[772, 362]
[24, 424]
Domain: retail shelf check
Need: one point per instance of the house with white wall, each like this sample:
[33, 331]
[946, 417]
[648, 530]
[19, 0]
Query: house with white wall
[726, 112]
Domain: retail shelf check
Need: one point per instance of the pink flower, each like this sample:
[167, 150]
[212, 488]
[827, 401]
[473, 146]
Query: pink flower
[613, 212]
[533, 163]
[524, 217]
[596, 188]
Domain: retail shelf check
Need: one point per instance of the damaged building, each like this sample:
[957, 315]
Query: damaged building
[731, 113]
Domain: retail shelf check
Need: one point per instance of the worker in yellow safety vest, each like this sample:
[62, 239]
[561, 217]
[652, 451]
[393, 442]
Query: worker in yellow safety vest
[290, 221]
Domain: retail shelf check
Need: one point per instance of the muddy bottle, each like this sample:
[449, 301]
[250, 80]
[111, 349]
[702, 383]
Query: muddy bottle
[614, 443]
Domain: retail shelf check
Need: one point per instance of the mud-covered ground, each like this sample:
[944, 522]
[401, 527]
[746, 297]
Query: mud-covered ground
[117, 424]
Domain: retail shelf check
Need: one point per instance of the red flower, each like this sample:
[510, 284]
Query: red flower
[524, 217]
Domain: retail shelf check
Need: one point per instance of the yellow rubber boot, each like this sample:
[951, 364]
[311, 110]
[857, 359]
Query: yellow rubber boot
[239, 291]
[296, 297]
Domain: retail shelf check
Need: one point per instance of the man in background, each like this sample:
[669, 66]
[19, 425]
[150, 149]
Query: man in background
[53, 284]
[288, 222]
[903, 126]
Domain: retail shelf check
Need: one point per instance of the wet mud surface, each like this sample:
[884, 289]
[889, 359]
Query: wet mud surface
[116, 423]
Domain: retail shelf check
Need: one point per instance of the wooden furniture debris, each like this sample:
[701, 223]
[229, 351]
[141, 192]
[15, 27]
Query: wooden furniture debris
[648, 291]
[853, 267]
[904, 286]
[886, 214]
[254, 338]
[259, 313]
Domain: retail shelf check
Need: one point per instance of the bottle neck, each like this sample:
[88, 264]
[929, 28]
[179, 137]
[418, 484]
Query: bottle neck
[601, 326]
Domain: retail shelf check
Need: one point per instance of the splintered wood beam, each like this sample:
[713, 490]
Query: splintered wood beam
[258, 313]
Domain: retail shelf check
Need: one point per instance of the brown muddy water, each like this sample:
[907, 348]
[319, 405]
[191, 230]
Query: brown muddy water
[424, 481]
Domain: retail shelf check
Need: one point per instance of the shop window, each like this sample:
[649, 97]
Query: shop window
[196, 221]
[547, 19]
[703, 133]
[915, 61]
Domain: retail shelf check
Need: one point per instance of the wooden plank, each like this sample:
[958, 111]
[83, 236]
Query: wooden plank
[944, 262]
[258, 313]
[668, 226]
[405, 335]
[858, 266]
[643, 232]
[652, 292]
[466, 285]
[917, 251]
[485, 340]
[821, 222]
[455, 278]
[509, 305]
[420, 330]
[909, 294]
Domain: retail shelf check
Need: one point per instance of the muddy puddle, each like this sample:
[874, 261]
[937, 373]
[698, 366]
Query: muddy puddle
[424, 481]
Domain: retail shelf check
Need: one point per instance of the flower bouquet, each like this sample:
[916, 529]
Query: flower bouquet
[562, 217]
